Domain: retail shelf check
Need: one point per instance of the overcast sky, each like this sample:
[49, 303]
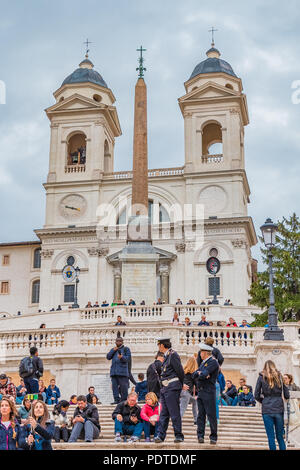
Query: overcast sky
[41, 42]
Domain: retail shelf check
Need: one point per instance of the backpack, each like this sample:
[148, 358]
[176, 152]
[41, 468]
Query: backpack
[26, 367]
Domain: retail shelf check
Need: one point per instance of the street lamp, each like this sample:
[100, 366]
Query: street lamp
[77, 271]
[273, 332]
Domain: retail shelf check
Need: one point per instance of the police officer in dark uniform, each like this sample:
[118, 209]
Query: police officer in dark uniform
[215, 352]
[172, 376]
[206, 377]
[154, 373]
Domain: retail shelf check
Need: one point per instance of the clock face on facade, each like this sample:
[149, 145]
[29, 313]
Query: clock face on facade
[72, 207]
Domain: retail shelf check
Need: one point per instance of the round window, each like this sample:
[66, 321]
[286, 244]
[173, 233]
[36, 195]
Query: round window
[213, 252]
[70, 260]
[97, 98]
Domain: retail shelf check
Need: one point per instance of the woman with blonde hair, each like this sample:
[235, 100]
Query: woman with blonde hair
[150, 415]
[40, 429]
[10, 430]
[188, 393]
[268, 391]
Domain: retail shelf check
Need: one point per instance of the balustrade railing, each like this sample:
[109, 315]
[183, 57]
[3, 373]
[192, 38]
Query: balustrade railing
[75, 339]
[218, 158]
[75, 168]
[151, 173]
[23, 340]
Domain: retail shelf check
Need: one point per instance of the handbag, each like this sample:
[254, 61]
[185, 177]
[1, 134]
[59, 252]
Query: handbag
[286, 406]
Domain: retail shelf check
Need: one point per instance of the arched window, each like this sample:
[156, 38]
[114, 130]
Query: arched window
[37, 258]
[77, 149]
[228, 85]
[35, 292]
[212, 139]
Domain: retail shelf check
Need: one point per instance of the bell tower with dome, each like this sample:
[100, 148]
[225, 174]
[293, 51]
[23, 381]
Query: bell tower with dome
[84, 125]
[215, 113]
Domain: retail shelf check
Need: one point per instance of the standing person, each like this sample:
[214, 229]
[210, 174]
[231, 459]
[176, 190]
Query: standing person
[31, 369]
[52, 393]
[120, 356]
[215, 352]
[10, 430]
[7, 388]
[86, 424]
[40, 429]
[141, 387]
[172, 377]
[206, 377]
[268, 391]
[154, 373]
[288, 380]
[188, 394]
[61, 421]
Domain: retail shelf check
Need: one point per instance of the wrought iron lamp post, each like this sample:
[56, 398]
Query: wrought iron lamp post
[272, 332]
[75, 304]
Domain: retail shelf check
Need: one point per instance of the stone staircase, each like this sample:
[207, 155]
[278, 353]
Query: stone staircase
[239, 429]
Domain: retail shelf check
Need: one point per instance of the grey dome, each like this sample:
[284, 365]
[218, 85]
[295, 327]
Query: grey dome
[84, 74]
[213, 64]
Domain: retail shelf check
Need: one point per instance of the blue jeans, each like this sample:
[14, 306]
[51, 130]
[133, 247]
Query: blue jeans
[129, 429]
[31, 385]
[149, 429]
[87, 431]
[272, 421]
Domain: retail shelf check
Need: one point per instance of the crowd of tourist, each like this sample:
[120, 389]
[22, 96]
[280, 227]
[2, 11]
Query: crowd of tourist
[27, 422]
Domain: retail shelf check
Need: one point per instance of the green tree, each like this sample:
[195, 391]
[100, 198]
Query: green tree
[286, 271]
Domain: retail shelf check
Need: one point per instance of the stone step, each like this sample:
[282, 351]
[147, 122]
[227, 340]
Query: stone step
[157, 447]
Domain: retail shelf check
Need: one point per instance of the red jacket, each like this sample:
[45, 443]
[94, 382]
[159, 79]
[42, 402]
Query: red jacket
[148, 411]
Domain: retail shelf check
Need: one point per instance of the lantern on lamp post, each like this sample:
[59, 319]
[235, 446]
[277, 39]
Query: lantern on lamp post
[272, 332]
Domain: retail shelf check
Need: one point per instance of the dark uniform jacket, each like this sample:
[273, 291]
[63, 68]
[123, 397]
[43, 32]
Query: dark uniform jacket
[216, 353]
[172, 367]
[126, 411]
[153, 377]
[209, 371]
[270, 398]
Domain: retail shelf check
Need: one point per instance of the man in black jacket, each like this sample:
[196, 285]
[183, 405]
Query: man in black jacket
[127, 419]
[154, 373]
[86, 424]
[230, 394]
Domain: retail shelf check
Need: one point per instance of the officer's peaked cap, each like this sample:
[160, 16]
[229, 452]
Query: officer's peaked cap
[205, 347]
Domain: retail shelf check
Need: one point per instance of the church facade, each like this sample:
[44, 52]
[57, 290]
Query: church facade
[198, 210]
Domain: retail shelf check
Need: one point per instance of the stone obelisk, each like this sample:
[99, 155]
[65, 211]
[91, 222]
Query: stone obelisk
[138, 224]
[138, 257]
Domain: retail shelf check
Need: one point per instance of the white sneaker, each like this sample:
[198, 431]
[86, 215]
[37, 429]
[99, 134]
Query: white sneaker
[133, 439]
[118, 438]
